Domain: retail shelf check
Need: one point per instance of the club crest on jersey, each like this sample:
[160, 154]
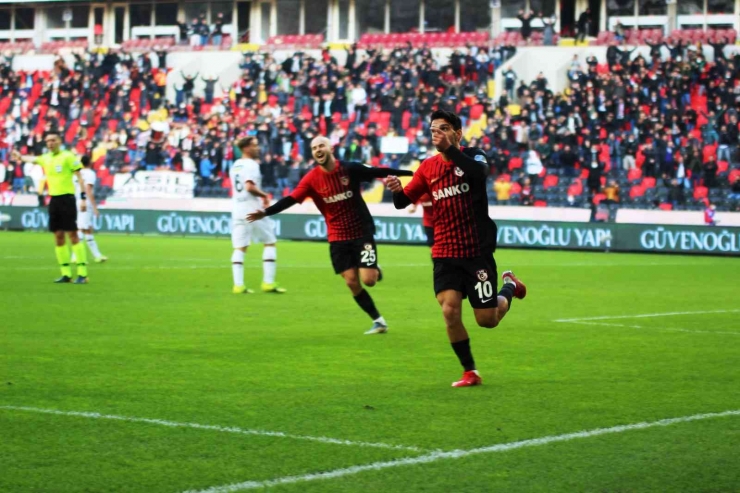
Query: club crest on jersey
[482, 275]
[368, 246]
[458, 171]
[344, 180]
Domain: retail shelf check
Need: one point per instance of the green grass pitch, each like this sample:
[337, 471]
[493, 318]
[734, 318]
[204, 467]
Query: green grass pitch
[158, 335]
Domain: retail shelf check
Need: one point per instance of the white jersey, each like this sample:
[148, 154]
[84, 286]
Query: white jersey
[89, 176]
[244, 202]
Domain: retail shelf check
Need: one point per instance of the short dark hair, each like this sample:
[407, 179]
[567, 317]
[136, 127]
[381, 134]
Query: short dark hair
[449, 117]
[85, 160]
[244, 142]
[49, 133]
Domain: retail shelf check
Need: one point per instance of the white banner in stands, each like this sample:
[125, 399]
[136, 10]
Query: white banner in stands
[154, 185]
[394, 145]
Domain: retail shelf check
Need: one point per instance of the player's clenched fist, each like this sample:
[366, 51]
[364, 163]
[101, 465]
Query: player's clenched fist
[394, 184]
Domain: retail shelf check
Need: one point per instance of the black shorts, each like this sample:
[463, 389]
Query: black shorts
[475, 278]
[63, 213]
[429, 230]
[353, 254]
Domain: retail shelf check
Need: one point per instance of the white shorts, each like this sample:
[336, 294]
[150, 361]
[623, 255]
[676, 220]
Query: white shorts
[243, 232]
[84, 219]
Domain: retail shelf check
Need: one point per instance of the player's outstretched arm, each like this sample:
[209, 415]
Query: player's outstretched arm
[275, 208]
[400, 199]
[368, 173]
[15, 154]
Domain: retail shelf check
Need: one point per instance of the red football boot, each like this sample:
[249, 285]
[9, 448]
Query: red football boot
[468, 379]
[520, 290]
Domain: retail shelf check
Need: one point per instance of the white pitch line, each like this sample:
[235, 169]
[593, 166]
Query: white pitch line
[222, 429]
[658, 328]
[646, 315]
[456, 454]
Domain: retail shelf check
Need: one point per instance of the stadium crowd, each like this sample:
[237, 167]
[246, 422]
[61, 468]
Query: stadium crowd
[659, 131]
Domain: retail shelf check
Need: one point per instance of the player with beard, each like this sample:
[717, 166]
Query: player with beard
[334, 186]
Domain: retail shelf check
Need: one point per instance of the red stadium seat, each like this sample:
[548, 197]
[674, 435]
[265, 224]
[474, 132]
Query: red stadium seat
[634, 174]
[648, 182]
[598, 198]
[540, 203]
[550, 181]
[701, 193]
[575, 189]
[515, 163]
[722, 166]
[637, 191]
[665, 206]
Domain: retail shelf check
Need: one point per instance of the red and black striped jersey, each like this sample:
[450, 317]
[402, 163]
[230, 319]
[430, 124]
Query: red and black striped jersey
[338, 196]
[428, 210]
[462, 227]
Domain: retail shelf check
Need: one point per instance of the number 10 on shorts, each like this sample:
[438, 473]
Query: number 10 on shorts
[485, 289]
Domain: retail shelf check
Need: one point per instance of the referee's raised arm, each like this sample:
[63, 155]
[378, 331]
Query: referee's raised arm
[16, 154]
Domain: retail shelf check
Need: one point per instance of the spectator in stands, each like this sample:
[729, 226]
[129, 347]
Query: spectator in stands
[709, 213]
[694, 165]
[734, 191]
[533, 165]
[183, 27]
[650, 164]
[619, 32]
[676, 194]
[510, 78]
[526, 196]
[615, 150]
[203, 30]
[502, 187]
[548, 33]
[569, 159]
[195, 39]
[719, 45]
[153, 157]
[611, 192]
[584, 25]
[725, 144]
[526, 20]
[710, 172]
[188, 86]
[208, 92]
[595, 172]
[218, 30]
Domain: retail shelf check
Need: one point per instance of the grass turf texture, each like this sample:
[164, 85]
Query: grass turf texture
[158, 334]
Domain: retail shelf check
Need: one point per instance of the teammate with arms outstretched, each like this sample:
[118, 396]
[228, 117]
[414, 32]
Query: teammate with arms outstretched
[85, 218]
[464, 238]
[248, 197]
[334, 187]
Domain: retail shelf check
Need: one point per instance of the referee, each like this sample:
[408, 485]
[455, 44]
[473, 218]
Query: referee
[60, 166]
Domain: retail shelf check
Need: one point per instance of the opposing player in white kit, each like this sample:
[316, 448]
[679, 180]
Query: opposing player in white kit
[85, 219]
[248, 197]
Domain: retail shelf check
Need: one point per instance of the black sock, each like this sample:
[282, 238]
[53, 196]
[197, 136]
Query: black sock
[507, 291]
[366, 303]
[462, 350]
